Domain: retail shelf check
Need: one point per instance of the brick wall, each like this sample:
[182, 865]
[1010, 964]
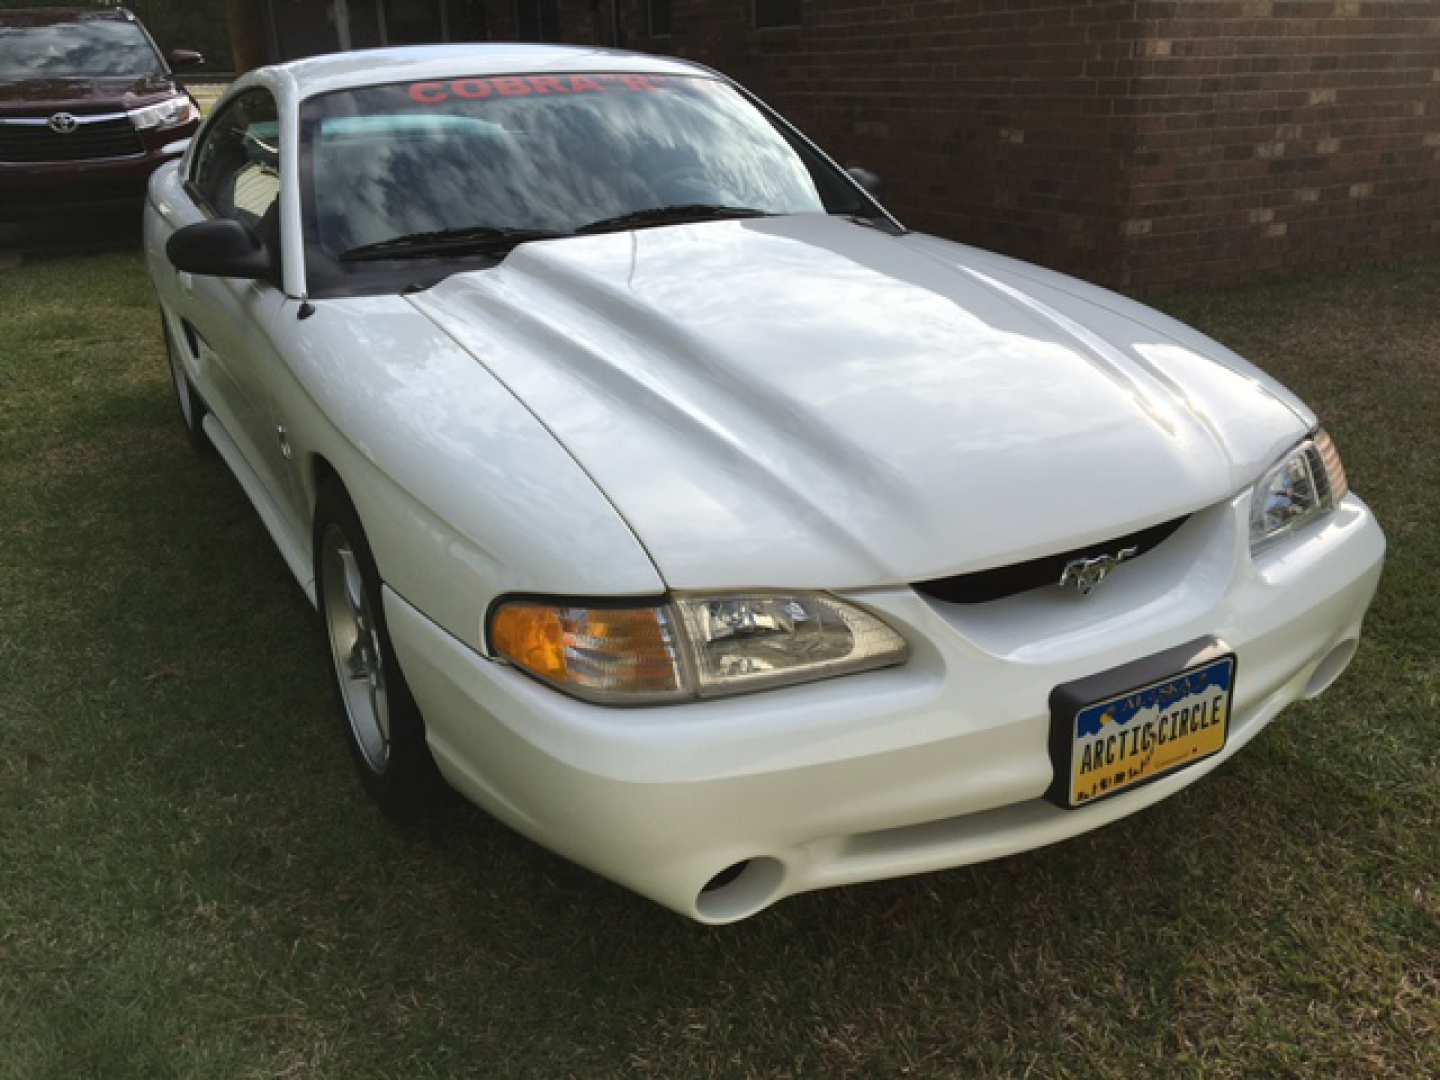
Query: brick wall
[1143, 144]
[1273, 136]
[989, 122]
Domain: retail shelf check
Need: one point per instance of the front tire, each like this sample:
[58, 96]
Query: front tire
[192, 408]
[381, 721]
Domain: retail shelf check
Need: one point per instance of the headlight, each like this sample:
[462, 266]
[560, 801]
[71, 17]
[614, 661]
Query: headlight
[690, 647]
[166, 114]
[743, 643]
[1308, 482]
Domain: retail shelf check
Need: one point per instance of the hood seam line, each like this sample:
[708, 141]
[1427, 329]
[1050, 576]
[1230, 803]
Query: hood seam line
[634, 533]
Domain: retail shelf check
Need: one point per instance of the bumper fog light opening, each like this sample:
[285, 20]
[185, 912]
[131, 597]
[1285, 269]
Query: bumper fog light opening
[1331, 668]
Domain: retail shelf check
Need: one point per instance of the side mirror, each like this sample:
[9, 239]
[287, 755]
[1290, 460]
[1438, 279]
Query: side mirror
[221, 247]
[185, 58]
[867, 180]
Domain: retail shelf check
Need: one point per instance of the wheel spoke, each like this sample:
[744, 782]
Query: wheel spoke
[358, 660]
[355, 648]
[377, 669]
[354, 585]
[378, 707]
[378, 701]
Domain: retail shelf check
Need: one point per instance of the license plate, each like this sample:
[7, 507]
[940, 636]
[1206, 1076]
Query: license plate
[1114, 743]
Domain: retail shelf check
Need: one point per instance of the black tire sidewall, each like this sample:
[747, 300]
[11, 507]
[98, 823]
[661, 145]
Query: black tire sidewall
[199, 441]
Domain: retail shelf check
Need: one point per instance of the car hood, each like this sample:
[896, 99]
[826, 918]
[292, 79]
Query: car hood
[803, 401]
[82, 94]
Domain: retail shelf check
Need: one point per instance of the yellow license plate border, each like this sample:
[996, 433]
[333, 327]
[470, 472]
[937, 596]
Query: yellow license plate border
[1069, 700]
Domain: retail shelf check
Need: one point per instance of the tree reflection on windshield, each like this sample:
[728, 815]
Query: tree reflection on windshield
[545, 153]
[95, 48]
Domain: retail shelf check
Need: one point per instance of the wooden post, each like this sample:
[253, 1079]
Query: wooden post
[246, 22]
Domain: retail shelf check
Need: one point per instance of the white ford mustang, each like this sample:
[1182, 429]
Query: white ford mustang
[670, 500]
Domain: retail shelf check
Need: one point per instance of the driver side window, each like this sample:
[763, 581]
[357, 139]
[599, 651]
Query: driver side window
[237, 167]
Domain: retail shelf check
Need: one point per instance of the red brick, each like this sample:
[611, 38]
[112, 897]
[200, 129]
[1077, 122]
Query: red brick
[1049, 129]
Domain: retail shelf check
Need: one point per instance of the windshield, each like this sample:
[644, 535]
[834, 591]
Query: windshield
[547, 155]
[90, 47]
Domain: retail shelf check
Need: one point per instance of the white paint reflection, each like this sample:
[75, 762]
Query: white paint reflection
[832, 401]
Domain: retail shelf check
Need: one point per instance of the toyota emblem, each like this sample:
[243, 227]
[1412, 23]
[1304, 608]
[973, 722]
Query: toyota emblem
[62, 123]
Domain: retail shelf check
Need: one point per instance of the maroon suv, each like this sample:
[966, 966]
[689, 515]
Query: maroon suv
[88, 109]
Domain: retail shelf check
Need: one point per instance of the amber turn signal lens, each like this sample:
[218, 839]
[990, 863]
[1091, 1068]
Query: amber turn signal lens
[601, 654]
[532, 637]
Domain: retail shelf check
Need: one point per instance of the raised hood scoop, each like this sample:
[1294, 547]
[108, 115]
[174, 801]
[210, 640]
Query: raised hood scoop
[803, 402]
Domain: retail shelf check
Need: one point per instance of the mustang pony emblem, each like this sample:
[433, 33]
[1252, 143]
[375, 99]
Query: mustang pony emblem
[1083, 575]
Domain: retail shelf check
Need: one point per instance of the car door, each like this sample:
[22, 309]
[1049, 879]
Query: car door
[235, 173]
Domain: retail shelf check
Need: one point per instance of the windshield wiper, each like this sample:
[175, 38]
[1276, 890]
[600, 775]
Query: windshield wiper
[495, 238]
[859, 217]
[472, 238]
[672, 215]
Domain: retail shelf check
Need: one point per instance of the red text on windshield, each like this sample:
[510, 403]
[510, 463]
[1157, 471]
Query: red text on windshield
[508, 86]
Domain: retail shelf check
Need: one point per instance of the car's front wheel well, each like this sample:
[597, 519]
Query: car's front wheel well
[319, 473]
[381, 720]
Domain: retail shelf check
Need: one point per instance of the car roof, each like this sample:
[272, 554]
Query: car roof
[417, 63]
[49, 16]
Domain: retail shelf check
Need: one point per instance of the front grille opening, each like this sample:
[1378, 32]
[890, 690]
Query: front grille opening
[1002, 581]
[36, 143]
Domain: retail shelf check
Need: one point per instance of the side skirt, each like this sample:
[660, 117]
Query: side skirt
[295, 549]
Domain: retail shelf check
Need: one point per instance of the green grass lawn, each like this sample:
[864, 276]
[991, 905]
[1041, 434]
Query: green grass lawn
[191, 883]
[206, 94]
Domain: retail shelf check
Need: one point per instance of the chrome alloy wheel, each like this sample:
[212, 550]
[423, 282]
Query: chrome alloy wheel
[355, 649]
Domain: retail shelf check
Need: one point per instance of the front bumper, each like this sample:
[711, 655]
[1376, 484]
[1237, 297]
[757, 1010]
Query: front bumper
[935, 764]
[45, 194]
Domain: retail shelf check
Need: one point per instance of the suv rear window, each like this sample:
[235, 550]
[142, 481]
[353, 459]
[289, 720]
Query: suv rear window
[86, 47]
